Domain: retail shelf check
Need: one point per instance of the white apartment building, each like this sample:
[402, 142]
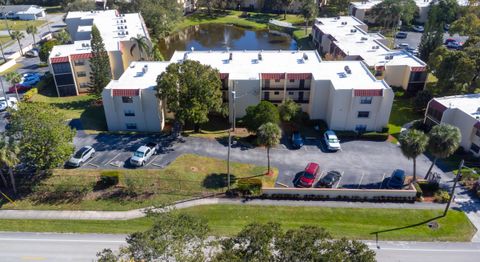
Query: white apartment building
[22, 12]
[343, 93]
[462, 111]
[363, 9]
[347, 38]
[69, 64]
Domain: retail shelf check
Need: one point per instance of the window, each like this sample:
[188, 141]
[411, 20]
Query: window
[290, 93]
[292, 80]
[84, 85]
[129, 112]
[81, 74]
[475, 148]
[276, 93]
[277, 80]
[127, 99]
[80, 62]
[363, 114]
[366, 100]
[131, 126]
[361, 128]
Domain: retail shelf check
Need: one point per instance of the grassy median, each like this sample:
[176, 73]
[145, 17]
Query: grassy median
[224, 220]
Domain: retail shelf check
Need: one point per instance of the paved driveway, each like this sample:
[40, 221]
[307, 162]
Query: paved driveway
[364, 164]
[413, 39]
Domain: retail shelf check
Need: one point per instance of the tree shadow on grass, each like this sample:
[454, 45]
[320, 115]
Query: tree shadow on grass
[218, 180]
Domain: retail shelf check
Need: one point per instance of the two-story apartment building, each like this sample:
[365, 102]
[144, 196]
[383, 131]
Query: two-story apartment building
[347, 38]
[462, 111]
[69, 64]
[343, 93]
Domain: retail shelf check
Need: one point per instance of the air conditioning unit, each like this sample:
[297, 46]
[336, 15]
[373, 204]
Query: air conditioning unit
[353, 31]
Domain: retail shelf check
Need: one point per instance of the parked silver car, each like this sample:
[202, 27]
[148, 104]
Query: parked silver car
[81, 156]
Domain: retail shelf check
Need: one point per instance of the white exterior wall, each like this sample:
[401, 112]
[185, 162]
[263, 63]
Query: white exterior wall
[319, 97]
[247, 93]
[397, 75]
[465, 123]
[148, 114]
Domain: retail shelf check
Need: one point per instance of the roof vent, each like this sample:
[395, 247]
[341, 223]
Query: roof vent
[364, 38]
[348, 70]
[145, 69]
[230, 57]
[353, 30]
[260, 56]
[337, 18]
[126, 32]
[344, 23]
[305, 56]
[375, 47]
[388, 57]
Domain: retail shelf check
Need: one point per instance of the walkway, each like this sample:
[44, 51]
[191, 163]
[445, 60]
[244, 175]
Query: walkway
[138, 213]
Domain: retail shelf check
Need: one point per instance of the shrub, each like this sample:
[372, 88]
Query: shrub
[131, 187]
[29, 94]
[385, 129]
[109, 178]
[250, 186]
[441, 196]
[428, 186]
[419, 125]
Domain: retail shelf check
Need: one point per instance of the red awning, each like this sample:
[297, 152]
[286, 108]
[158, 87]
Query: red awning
[368, 92]
[418, 69]
[223, 76]
[477, 125]
[62, 59]
[126, 92]
[434, 104]
[299, 76]
[81, 56]
[380, 68]
[273, 76]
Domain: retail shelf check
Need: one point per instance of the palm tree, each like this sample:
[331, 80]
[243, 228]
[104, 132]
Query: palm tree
[285, 4]
[32, 30]
[268, 135]
[18, 35]
[309, 11]
[143, 45]
[413, 143]
[14, 78]
[444, 141]
[8, 159]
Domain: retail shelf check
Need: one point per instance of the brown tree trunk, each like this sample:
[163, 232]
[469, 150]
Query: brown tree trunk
[414, 170]
[431, 167]
[12, 180]
[268, 160]
[3, 179]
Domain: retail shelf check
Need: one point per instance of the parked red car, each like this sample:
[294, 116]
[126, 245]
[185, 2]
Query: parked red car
[20, 88]
[308, 176]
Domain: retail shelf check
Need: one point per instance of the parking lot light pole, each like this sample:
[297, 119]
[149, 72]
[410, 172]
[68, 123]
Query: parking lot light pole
[459, 172]
[234, 116]
[228, 161]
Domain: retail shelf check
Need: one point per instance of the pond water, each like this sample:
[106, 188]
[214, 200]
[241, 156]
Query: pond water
[221, 37]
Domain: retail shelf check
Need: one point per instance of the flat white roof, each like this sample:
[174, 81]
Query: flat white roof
[366, 5]
[353, 41]
[114, 27]
[245, 65]
[78, 47]
[469, 103]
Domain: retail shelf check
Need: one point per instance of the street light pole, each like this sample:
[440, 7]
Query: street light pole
[228, 157]
[459, 172]
[234, 116]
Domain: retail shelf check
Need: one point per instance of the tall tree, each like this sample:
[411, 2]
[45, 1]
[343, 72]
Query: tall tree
[262, 113]
[432, 37]
[191, 91]
[99, 63]
[444, 140]
[413, 143]
[173, 237]
[285, 5]
[390, 12]
[142, 44]
[309, 11]
[304, 244]
[32, 30]
[289, 110]
[18, 36]
[62, 36]
[269, 135]
[9, 152]
[466, 25]
[14, 78]
[45, 141]
[45, 49]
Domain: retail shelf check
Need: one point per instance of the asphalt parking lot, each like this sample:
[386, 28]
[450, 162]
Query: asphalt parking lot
[413, 39]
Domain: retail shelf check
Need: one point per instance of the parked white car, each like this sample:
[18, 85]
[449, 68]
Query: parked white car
[81, 156]
[418, 28]
[143, 154]
[11, 102]
[331, 140]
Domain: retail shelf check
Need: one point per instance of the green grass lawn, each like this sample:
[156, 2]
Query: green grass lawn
[187, 177]
[403, 112]
[303, 39]
[225, 220]
[253, 21]
[20, 24]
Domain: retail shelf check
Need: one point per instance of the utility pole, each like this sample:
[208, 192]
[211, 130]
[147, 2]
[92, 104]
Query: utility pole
[228, 157]
[453, 188]
[234, 116]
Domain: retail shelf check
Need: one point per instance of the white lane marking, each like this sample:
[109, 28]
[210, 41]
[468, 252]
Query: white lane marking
[322, 174]
[153, 160]
[109, 162]
[361, 179]
[381, 183]
[90, 160]
[61, 240]
[338, 182]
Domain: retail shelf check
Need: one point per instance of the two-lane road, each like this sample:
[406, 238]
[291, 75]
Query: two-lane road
[83, 247]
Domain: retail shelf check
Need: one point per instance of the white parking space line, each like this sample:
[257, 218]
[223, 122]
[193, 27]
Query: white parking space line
[361, 179]
[338, 182]
[111, 160]
[381, 182]
[90, 160]
[153, 160]
[319, 177]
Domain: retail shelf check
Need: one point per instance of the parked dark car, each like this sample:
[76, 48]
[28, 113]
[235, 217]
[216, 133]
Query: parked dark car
[401, 35]
[20, 88]
[308, 176]
[330, 179]
[297, 140]
[397, 180]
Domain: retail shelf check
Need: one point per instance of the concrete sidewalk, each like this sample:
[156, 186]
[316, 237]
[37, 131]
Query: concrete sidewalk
[137, 213]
